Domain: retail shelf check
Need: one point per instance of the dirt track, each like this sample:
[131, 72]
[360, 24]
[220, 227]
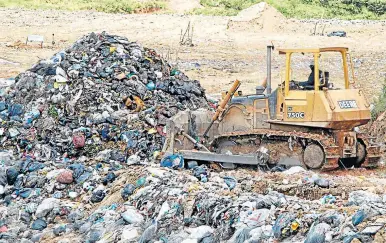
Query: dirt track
[219, 56]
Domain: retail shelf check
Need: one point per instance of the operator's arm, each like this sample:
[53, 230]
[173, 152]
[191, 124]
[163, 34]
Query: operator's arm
[310, 81]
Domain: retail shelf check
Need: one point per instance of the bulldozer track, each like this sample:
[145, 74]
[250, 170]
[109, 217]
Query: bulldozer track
[292, 139]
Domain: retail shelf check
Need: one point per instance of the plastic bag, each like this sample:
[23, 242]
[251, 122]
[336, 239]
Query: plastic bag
[257, 217]
[132, 216]
[164, 209]
[200, 232]
[358, 217]
[282, 222]
[15, 109]
[360, 197]
[39, 224]
[317, 233]
[322, 182]
[230, 181]
[78, 170]
[3, 177]
[46, 206]
[140, 182]
[98, 196]
[328, 199]
[173, 161]
[12, 174]
[199, 171]
[243, 235]
[110, 177]
[127, 191]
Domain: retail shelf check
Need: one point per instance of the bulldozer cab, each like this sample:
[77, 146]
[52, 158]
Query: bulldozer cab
[317, 98]
[321, 62]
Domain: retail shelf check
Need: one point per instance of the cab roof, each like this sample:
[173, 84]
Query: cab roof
[315, 50]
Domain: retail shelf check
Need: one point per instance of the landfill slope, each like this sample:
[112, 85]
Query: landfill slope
[82, 99]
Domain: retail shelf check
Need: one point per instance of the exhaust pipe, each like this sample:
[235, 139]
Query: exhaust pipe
[269, 51]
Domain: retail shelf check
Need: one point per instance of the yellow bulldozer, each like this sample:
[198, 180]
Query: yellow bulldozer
[312, 123]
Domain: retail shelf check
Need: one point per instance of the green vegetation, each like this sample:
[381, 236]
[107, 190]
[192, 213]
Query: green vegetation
[109, 6]
[380, 104]
[342, 9]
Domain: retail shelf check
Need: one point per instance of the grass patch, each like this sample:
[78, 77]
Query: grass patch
[380, 104]
[302, 9]
[109, 6]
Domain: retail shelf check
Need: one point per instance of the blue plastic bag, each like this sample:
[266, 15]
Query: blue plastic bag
[192, 164]
[12, 174]
[230, 181]
[150, 86]
[358, 217]
[243, 235]
[140, 182]
[77, 169]
[127, 191]
[173, 161]
[39, 224]
[328, 199]
[15, 110]
[82, 178]
[317, 233]
[110, 177]
[3, 105]
[34, 166]
[281, 222]
[198, 171]
[25, 192]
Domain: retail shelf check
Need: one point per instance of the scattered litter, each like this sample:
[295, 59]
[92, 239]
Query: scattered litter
[294, 170]
[337, 33]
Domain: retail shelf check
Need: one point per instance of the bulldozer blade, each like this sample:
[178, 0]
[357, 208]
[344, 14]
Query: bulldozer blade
[290, 162]
[228, 166]
[222, 158]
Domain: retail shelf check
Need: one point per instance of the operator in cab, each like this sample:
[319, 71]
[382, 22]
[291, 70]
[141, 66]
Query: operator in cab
[310, 83]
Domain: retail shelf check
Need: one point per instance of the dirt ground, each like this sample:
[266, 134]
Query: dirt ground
[222, 51]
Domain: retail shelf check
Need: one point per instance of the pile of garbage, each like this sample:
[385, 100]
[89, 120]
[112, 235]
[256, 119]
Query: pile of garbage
[102, 102]
[102, 89]
[166, 205]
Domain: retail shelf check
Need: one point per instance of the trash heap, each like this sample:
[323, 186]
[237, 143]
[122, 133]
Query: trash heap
[102, 91]
[100, 105]
[174, 206]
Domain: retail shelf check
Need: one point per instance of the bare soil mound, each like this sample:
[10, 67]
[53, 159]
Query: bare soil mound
[183, 6]
[260, 16]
